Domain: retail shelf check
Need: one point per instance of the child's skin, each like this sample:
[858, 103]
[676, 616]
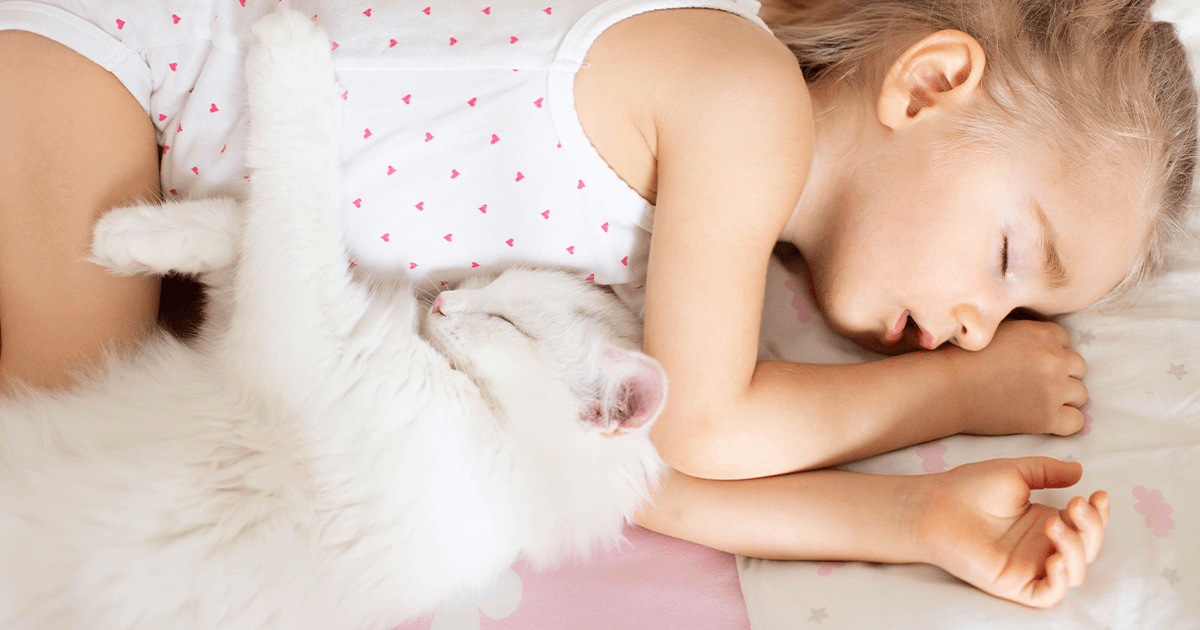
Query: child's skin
[708, 117]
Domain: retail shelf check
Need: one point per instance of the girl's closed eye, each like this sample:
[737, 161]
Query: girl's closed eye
[1004, 257]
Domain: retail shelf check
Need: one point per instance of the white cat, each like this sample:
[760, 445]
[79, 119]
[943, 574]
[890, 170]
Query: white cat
[311, 461]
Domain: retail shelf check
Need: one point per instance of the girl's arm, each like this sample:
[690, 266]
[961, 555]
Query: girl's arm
[732, 133]
[975, 521]
[75, 144]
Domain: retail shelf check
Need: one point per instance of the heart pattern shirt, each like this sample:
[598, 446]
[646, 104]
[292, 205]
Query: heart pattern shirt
[462, 148]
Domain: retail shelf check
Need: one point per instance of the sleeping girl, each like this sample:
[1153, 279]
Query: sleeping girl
[939, 164]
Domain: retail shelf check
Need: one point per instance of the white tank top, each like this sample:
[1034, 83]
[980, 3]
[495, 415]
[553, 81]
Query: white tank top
[462, 148]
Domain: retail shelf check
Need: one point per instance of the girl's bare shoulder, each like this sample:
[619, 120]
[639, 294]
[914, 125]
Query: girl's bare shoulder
[684, 71]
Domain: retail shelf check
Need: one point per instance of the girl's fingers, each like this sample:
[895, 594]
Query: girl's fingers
[1086, 519]
[1099, 500]
[1070, 545]
[1050, 590]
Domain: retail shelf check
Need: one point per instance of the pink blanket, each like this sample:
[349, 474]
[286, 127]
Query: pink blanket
[656, 582]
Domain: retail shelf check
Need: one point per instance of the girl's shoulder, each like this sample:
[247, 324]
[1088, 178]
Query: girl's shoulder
[684, 72]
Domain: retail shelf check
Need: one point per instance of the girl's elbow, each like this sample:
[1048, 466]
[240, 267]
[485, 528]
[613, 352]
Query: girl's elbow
[691, 445]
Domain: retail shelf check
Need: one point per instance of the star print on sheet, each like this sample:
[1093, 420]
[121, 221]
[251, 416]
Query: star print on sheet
[1171, 576]
[1085, 337]
[818, 615]
[1177, 371]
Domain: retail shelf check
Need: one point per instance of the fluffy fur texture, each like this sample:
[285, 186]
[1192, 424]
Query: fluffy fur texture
[328, 453]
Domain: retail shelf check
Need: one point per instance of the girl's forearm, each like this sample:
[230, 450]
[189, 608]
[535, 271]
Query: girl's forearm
[803, 417]
[818, 515]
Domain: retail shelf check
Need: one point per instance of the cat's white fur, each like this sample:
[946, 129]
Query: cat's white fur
[311, 461]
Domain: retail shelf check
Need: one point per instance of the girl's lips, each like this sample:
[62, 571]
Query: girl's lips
[897, 330]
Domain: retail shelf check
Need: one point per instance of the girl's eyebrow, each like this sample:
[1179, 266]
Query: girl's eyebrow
[1052, 266]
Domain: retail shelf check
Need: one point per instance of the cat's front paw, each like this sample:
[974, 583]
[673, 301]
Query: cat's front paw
[286, 39]
[192, 237]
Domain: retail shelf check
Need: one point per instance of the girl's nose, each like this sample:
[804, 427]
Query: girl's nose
[974, 331]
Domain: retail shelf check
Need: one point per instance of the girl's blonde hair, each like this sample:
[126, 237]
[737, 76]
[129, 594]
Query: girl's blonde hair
[1092, 77]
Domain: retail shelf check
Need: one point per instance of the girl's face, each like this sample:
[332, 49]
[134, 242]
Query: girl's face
[951, 244]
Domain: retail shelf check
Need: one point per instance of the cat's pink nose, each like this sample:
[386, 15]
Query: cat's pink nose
[437, 306]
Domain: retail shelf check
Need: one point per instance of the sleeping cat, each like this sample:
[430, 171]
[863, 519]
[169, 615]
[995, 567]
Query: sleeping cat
[328, 453]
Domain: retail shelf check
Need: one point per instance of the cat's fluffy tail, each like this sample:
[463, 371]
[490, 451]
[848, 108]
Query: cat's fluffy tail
[192, 237]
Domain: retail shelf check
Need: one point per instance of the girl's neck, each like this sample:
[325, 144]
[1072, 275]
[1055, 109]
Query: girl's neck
[842, 133]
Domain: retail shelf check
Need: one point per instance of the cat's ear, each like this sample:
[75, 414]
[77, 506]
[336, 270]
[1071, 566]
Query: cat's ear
[633, 393]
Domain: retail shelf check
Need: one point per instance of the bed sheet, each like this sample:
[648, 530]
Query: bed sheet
[652, 582]
[1140, 442]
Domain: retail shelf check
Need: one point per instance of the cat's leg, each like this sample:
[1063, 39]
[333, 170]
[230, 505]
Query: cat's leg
[296, 308]
[188, 237]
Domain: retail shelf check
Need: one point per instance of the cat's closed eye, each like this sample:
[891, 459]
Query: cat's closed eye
[510, 323]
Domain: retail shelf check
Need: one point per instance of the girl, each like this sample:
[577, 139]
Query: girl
[938, 164]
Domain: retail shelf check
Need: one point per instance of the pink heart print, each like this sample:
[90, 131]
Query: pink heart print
[1158, 513]
[538, 103]
[509, 242]
[447, 237]
[420, 205]
[483, 208]
[386, 236]
[581, 184]
[425, 10]
[453, 41]
[454, 173]
[546, 214]
[357, 203]
[428, 136]
[474, 265]
[487, 10]
[513, 40]
[412, 265]
[519, 176]
[175, 18]
[407, 98]
[120, 24]
[213, 108]
[799, 303]
[162, 117]
[605, 226]
[931, 457]
[391, 169]
[367, 13]
[547, 10]
[625, 261]
[392, 43]
[173, 66]
[471, 102]
[591, 277]
[571, 250]
[366, 133]
[335, 46]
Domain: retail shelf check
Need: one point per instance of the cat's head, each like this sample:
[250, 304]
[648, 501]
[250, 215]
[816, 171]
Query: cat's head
[557, 359]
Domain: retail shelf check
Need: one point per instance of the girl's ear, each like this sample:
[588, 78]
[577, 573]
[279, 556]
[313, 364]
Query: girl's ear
[633, 392]
[935, 74]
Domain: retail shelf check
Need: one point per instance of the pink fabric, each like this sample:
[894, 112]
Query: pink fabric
[655, 582]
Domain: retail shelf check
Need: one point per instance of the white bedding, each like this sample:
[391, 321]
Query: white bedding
[1142, 446]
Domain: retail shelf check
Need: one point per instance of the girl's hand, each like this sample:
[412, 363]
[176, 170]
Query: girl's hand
[1027, 380]
[976, 522]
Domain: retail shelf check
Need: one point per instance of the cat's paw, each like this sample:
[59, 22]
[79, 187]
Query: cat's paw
[192, 237]
[286, 39]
